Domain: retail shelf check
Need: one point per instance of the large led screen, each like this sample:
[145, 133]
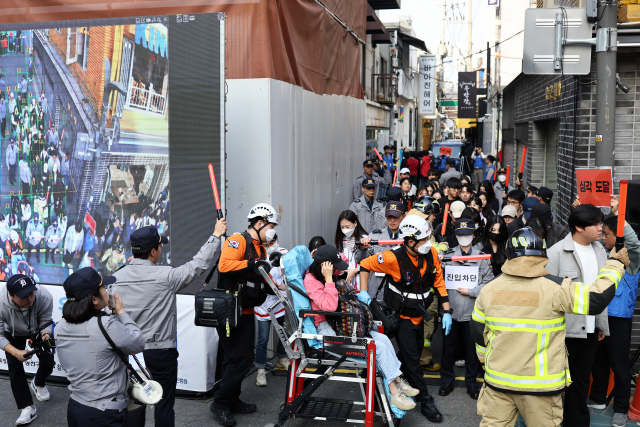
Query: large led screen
[85, 141]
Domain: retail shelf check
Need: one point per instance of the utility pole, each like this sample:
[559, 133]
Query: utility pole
[392, 113]
[606, 51]
[496, 116]
[470, 26]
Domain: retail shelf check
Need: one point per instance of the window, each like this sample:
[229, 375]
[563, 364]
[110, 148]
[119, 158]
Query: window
[78, 46]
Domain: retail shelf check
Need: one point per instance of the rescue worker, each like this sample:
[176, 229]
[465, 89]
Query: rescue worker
[370, 212]
[368, 166]
[394, 215]
[462, 301]
[518, 325]
[411, 271]
[24, 308]
[97, 376]
[149, 292]
[238, 258]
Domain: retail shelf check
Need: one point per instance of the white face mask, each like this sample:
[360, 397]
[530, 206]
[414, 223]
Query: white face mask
[270, 234]
[273, 248]
[524, 219]
[502, 178]
[424, 249]
[348, 231]
[465, 240]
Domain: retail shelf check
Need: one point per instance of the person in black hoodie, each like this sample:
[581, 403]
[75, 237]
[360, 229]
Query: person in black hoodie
[494, 241]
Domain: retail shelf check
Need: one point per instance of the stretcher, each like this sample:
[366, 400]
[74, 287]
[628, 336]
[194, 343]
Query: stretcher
[306, 348]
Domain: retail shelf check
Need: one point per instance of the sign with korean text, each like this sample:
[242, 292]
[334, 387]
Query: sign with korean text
[467, 91]
[427, 85]
[446, 151]
[595, 186]
[461, 276]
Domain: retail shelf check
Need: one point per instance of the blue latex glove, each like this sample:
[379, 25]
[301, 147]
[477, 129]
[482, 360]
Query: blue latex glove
[446, 323]
[365, 297]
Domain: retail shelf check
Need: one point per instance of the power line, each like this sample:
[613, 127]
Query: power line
[484, 50]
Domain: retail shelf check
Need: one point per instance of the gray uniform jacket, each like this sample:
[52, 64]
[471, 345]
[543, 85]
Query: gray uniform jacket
[451, 173]
[97, 376]
[13, 322]
[462, 305]
[148, 293]
[564, 262]
[374, 279]
[385, 181]
[370, 219]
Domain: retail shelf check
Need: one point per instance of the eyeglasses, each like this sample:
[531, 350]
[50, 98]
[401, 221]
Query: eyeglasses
[513, 203]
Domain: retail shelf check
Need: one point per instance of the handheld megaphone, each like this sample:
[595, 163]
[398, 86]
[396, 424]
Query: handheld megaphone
[148, 393]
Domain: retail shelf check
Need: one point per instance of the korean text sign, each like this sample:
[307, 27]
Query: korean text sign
[446, 151]
[460, 276]
[427, 85]
[595, 186]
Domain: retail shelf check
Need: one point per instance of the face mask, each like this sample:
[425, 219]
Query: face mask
[424, 249]
[524, 219]
[348, 231]
[465, 240]
[270, 234]
[273, 248]
[494, 236]
[502, 178]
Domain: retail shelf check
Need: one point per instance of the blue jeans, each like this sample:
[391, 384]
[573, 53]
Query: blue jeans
[264, 330]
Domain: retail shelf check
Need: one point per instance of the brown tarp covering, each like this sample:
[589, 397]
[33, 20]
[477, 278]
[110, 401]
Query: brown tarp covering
[295, 41]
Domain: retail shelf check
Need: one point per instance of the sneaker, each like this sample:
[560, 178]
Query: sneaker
[27, 415]
[595, 405]
[406, 389]
[460, 363]
[619, 420]
[42, 394]
[261, 378]
[400, 401]
[283, 363]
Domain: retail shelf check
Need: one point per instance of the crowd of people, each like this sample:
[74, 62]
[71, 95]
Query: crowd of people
[502, 318]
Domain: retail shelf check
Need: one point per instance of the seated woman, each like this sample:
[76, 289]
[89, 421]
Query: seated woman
[319, 283]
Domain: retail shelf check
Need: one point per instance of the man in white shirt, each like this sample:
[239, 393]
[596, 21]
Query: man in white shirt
[580, 256]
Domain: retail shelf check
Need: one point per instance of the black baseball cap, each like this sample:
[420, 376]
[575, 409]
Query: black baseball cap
[545, 194]
[20, 285]
[533, 189]
[147, 238]
[465, 226]
[85, 282]
[528, 205]
[394, 194]
[395, 209]
[367, 183]
[543, 213]
[451, 161]
[368, 162]
[502, 170]
[330, 253]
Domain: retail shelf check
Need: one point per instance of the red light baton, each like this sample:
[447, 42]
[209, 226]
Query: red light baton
[444, 219]
[395, 176]
[214, 186]
[508, 174]
[524, 156]
[461, 258]
[622, 210]
[377, 154]
[495, 174]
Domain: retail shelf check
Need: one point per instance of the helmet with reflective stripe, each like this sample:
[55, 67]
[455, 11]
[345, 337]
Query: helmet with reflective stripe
[415, 227]
[265, 212]
[525, 242]
[427, 205]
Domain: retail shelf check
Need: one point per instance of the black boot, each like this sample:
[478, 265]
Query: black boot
[239, 407]
[429, 410]
[224, 416]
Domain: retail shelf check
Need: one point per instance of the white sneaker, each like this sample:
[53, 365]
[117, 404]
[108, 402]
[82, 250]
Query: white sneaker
[27, 415]
[283, 363]
[594, 405]
[261, 378]
[460, 363]
[406, 389]
[42, 394]
[400, 401]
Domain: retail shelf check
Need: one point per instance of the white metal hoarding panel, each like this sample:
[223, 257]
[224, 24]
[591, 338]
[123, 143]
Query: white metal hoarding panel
[427, 86]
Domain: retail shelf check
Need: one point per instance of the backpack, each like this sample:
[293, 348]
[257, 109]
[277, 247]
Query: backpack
[349, 303]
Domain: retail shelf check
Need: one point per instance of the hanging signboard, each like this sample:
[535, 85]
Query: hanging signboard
[467, 90]
[427, 86]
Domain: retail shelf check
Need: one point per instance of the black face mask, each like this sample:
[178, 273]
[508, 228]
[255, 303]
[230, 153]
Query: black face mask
[496, 237]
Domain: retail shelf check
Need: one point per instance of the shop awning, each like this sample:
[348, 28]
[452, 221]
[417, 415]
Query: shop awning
[374, 25]
[413, 41]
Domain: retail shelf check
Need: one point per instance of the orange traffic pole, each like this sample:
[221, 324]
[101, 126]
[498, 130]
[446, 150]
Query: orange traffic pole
[444, 219]
[508, 174]
[524, 156]
[622, 210]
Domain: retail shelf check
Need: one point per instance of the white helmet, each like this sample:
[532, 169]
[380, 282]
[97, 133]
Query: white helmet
[265, 212]
[415, 227]
[14, 236]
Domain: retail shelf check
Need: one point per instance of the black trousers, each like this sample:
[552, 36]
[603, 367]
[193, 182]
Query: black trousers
[17, 376]
[410, 339]
[613, 352]
[163, 367]
[460, 333]
[37, 251]
[79, 415]
[238, 359]
[581, 355]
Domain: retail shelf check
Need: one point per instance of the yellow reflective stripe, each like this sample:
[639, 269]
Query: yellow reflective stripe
[477, 315]
[427, 343]
[581, 299]
[491, 336]
[523, 381]
[541, 361]
[525, 325]
[614, 276]
[481, 349]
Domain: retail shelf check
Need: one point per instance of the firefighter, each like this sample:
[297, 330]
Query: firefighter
[411, 272]
[240, 254]
[518, 325]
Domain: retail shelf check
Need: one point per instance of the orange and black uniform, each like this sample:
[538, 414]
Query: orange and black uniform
[237, 259]
[409, 284]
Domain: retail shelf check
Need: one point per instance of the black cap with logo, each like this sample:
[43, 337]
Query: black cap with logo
[147, 238]
[367, 163]
[366, 183]
[20, 285]
[395, 209]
